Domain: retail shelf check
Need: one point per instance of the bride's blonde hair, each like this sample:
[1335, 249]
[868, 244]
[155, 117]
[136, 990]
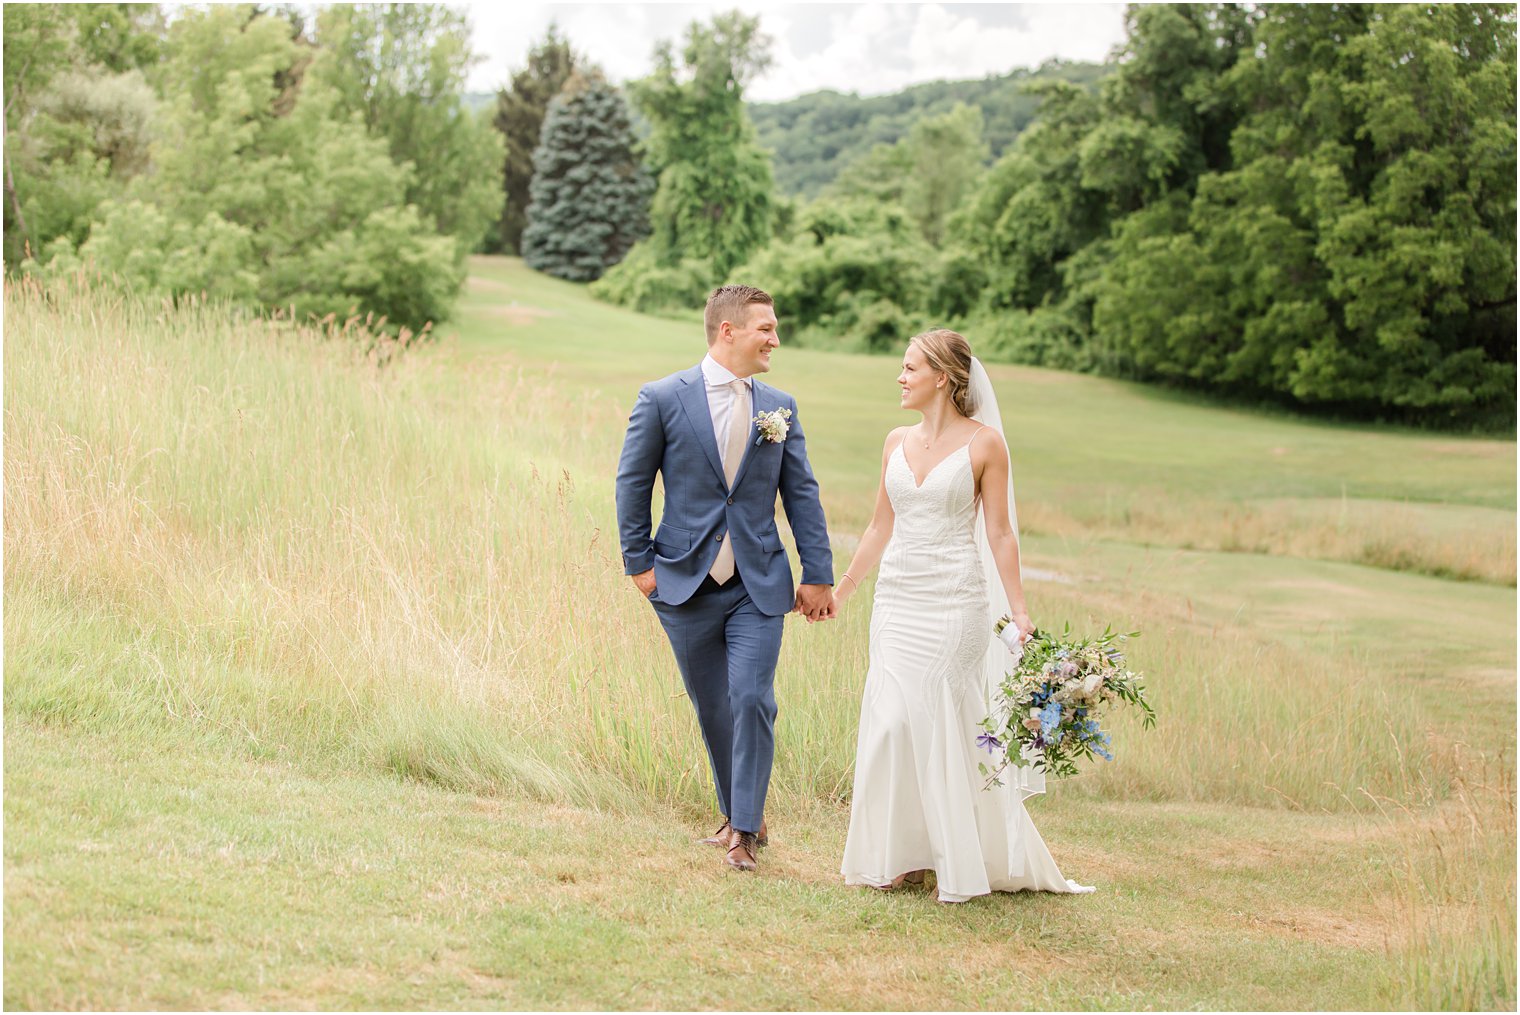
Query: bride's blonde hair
[950, 354]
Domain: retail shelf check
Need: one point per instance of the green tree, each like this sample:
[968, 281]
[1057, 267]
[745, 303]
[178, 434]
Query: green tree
[1359, 250]
[1422, 260]
[714, 199]
[78, 114]
[264, 192]
[120, 37]
[855, 272]
[1031, 213]
[1169, 75]
[930, 172]
[949, 155]
[519, 117]
[402, 68]
[590, 193]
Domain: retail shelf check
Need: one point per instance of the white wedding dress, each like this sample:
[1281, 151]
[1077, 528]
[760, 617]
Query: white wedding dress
[919, 801]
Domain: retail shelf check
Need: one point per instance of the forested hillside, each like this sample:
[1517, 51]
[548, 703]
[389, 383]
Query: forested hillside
[1312, 206]
[813, 137]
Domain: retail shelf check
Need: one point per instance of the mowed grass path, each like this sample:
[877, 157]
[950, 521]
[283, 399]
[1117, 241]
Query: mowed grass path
[248, 589]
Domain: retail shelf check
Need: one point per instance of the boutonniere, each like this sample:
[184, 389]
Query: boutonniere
[773, 425]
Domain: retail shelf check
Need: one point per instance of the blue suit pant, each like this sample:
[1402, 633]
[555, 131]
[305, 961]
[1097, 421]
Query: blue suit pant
[727, 650]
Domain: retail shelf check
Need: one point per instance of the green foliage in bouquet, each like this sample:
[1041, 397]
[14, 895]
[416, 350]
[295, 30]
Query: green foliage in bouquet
[1048, 712]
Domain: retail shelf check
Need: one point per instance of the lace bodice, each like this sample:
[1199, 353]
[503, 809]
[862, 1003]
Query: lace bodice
[931, 586]
[940, 515]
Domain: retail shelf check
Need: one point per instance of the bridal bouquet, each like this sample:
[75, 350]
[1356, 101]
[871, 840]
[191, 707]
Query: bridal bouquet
[1052, 702]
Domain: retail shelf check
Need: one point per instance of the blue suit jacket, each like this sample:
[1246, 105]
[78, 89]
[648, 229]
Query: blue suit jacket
[670, 432]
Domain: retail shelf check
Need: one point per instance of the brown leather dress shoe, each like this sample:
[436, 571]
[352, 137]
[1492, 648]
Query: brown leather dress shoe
[724, 836]
[741, 855]
[762, 838]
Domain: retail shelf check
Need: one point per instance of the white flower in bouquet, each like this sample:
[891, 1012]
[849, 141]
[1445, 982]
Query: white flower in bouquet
[1051, 704]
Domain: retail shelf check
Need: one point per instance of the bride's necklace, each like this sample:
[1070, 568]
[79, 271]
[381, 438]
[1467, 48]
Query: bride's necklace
[930, 441]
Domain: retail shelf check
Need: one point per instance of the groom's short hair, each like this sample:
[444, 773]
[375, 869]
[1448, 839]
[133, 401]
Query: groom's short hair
[727, 303]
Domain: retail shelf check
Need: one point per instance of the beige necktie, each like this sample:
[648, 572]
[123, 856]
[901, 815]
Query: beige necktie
[733, 454]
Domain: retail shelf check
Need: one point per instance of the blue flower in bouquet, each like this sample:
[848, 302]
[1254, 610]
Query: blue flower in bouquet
[1052, 702]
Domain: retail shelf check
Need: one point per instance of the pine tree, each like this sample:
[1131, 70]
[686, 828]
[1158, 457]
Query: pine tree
[590, 194]
[520, 112]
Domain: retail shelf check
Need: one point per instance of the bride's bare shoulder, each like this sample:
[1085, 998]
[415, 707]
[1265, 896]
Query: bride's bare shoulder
[894, 438]
[987, 443]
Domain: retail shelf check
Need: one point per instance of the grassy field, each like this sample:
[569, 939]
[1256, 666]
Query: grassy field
[323, 688]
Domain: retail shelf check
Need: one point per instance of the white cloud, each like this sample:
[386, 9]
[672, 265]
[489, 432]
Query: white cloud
[870, 48]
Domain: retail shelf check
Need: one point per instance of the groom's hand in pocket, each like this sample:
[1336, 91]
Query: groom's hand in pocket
[645, 583]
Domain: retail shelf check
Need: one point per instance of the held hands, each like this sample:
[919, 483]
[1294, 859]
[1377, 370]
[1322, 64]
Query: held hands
[815, 602]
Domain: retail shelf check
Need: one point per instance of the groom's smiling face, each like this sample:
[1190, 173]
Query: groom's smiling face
[753, 340]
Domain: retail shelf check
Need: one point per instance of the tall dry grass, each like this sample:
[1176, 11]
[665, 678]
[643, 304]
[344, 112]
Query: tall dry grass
[1397, 536]
[238, 529]
[1452, 867]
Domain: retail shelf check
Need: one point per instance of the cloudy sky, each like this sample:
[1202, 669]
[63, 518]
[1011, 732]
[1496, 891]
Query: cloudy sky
[870, 48]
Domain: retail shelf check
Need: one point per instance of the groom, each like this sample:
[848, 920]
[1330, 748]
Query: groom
[715, 571]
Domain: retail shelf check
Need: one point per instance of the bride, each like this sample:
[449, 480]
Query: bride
[944, 533]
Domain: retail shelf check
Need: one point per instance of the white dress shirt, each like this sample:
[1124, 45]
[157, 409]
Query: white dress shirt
[720, 397]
